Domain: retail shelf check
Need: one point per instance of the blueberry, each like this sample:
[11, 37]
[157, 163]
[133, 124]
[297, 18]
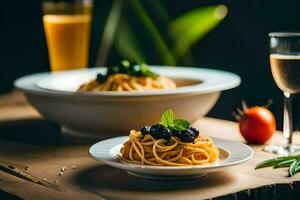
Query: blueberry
[145, 130]
[176, 133]
[195, 130]
[135, 70]
[187, 136]
[100, 78]
[113, 70]
[158, 131]
[123, 70]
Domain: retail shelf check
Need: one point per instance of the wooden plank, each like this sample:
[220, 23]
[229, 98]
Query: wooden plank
[14, 106]
[25, 190]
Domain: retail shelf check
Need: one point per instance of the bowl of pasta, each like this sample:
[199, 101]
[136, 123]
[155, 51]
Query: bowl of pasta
[103, 101]
[170, 149]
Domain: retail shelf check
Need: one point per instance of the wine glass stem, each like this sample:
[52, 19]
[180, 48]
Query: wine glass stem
[287, 119]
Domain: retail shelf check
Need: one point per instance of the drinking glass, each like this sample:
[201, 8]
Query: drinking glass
[67, 25]
[285, 66]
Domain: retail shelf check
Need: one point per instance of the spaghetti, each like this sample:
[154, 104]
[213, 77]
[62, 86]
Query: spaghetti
[124, 82]
[147, 150]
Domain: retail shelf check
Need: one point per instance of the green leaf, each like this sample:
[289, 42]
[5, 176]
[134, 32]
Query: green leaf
[144, 67]
[109, 31]
[127, 43]
[292, 169]
[167, 58]
[160, 11]
[180, 124]
[146, 71]
[270, 162]
[189, 28]
[150, 74]
[125, 64]
[297, 168]
[175, 124]
[167, 118]
[293, 162]
[285, 163]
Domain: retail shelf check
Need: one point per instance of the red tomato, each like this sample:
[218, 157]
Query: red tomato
[257, 124]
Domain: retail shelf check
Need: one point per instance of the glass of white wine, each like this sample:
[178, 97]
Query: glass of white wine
[285, 66]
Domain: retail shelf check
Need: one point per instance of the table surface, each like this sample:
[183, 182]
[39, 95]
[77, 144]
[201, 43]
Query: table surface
[29, 140]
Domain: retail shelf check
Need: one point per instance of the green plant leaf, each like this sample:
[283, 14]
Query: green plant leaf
[189, 28]
[163, 50]
[285, 163]
[109, 31]
[159, 10]
[180, 124]
[270, 162]
[292, 168]
[297, 167]
[167, 118]
[293, 162]
[127, 43]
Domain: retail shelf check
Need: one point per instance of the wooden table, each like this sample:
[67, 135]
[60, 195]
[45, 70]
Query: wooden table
[29, 140]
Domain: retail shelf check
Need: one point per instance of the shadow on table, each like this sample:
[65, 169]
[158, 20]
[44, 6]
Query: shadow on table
[38, 132]
[106, 177]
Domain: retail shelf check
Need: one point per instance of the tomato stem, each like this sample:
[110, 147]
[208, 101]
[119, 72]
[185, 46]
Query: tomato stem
[269, 103]
[236, 116]
[244, 105]
[240, 112]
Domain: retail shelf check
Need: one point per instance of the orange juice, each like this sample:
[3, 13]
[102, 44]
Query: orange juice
[68, 39]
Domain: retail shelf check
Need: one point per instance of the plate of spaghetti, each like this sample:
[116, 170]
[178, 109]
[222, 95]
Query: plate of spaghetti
[128, 77]
[170, 149]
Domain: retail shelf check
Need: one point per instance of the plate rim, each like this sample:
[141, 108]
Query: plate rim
[27, 84]
[130, 166]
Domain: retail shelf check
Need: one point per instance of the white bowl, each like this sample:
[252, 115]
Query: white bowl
[54, 96]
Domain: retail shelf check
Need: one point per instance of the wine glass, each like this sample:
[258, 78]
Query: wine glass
[285, 66]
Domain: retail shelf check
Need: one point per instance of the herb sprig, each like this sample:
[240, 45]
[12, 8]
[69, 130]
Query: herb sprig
[169, 121]
[126, 67]
[292, 162]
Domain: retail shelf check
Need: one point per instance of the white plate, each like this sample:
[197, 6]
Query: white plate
[209, 80]
[94, 114]
[231, 153]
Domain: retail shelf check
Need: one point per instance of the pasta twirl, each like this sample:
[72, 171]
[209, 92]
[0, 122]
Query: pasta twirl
[124, 82]
[146, 150]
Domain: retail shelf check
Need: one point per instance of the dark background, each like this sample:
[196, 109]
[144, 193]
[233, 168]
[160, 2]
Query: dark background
[239, 44]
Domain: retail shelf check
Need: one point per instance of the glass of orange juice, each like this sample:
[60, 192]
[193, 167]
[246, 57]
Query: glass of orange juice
[67, 25]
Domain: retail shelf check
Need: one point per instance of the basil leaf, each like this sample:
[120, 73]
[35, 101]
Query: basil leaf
[146, 71]
[150, 74]
[167, 118]
[175, 124]
[125, 64]
[144, 68]
[180, 124]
